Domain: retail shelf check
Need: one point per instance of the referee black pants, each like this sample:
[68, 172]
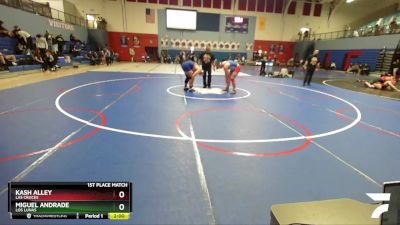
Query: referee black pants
[207, 82]
[308, 77]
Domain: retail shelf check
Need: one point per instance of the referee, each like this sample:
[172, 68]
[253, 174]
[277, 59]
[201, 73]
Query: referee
[311, 64]
[207, 67]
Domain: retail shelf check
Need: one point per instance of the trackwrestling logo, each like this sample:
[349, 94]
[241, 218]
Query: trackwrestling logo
[379, 197]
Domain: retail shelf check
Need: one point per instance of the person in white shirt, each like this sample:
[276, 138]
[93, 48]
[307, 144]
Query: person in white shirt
[41, 44]
[132, 53]
[24, 37]
[333, 66]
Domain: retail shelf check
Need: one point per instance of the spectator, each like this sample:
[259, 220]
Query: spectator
[396, 67]
[192, 57]
[164, 55]
[132, 54]
[365, 69]
[101, 56]
[38, 59]
[263, 64]
[41, 44]
[19, 49]
[49, 39]
[239, 59]
[107, 55]
[91, 56]
[290, 62]
[24, 38]
[354, 68]
[75, 51]
[7, 60]
[3, 31]
[332, 66]
[102, 23]
[73, 42]
[300, 34]
[259, 56]
[377, 30]
[50, 61]
[182, 57]
[112, 55]
[60, 42]
[393, 26]
[306, 33]
[177, 59]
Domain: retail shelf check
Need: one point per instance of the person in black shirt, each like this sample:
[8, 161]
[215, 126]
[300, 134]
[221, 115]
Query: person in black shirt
[310, 66]
[3, 31]
[206, 65]
[60, 42]
[263, 63]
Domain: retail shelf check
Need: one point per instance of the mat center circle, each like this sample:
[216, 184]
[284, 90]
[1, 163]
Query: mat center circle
[208, 94]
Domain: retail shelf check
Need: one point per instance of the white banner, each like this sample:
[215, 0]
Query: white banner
[62, 25]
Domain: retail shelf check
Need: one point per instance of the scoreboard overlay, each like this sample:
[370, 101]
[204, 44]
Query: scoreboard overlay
[70, 200]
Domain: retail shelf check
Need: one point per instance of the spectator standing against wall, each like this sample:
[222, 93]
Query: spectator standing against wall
[41, 44]
[73, 42]
[59, 41]
[132, 54]
[107, 54]
[49, 39]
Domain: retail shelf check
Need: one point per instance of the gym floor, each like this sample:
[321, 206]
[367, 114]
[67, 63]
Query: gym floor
[198, 158]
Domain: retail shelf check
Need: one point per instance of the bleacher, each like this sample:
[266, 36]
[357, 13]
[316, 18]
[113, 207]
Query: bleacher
[7, 46]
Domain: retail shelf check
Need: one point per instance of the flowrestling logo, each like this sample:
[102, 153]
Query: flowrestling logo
[379, 197]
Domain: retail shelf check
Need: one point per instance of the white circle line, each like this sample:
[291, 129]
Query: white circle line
[358, 118]
[57, 103]
[208, 99]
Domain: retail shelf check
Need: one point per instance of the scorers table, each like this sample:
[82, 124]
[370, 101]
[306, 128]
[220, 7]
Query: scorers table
[336, 211]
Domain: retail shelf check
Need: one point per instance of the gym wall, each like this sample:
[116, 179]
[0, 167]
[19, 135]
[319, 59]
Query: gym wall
[363, 49]
[35, 24]
[219, 39]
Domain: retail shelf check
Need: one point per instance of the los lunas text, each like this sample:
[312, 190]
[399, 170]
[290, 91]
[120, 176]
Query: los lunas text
[33, 206]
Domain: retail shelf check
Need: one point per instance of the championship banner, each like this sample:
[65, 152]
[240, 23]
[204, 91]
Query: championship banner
[281, 49]
[261, 23]
[136, 42]
[124, 41]
[272, 48]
